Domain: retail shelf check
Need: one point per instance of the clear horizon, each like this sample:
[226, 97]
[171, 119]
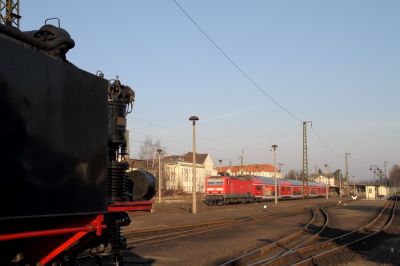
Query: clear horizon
[336, 64]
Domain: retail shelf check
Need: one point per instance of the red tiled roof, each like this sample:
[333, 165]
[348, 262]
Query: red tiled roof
[187, 158]
[251, 168]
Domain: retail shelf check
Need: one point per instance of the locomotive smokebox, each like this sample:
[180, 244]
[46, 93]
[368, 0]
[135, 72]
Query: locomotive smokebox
[143, 185]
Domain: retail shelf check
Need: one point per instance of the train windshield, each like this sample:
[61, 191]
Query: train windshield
[215, 182]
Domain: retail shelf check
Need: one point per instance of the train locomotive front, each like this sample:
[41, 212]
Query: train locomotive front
[226, 189]
[64, 187]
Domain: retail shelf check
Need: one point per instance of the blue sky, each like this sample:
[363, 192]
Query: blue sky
[336, 63]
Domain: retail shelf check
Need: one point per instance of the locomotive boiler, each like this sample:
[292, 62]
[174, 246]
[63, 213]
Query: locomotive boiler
[64, 186]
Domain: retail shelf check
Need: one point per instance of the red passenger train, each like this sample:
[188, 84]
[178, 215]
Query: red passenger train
[246, 189]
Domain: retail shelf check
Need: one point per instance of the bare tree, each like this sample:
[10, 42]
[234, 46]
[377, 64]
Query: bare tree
[338, 176]
[148, 152]
[293, 175]
[395, 175]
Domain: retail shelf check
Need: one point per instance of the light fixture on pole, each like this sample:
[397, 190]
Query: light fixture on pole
[276, 187]
[159, 174]
[194, 119]
[220, 162]
[374, 168]
[327, 181]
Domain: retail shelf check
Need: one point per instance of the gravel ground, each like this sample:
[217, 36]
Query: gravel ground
[218, 246]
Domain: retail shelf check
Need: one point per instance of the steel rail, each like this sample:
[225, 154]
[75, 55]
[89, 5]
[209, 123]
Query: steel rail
[190, 232]
[204, 228]
[246, 258]
[181, 234]
[313, 259]
[301, 253]
[152, 231]
[291, 250]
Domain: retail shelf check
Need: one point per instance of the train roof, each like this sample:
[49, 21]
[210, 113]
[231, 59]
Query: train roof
[300, 183]
[231, 177]
[263, 180]
[270, 180]
[279, 181]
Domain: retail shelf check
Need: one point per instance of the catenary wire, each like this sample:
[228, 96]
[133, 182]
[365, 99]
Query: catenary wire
[247, 76]
[251, 80]
[182, 132]
[324, 143]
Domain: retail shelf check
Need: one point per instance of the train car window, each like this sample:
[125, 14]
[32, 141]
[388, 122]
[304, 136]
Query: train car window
[268, 191]
[297, 191]
[215, 183]
[314, 191]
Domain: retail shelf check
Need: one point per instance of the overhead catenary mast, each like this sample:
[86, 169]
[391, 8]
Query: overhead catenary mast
[347, 172]
[305, 159]
[9, 13]
[241, 163]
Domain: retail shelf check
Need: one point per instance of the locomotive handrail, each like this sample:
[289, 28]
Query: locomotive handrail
[24, 37]
[94, 226]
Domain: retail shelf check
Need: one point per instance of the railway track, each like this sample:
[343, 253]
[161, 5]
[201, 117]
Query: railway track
[318, 250]
[299, 238]
[321, 252]
[139, 238]
[158, 235]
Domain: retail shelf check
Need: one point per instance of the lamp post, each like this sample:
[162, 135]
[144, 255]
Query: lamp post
[276, 187]
[220, 162]
[159, 174]
[374, 168]
[340, 184]
[194, 119]
[327, 180]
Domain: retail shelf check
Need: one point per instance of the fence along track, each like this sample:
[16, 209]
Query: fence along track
[308, 254]
[286, 244]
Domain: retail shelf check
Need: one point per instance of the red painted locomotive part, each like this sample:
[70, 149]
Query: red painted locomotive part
[57, 251]
[130, 206]
[95, 225]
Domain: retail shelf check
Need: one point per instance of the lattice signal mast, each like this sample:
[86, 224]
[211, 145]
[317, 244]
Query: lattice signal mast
[9, 13]
[305, 157]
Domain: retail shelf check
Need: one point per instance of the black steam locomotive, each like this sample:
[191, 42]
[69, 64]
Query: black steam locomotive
[64, 186]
